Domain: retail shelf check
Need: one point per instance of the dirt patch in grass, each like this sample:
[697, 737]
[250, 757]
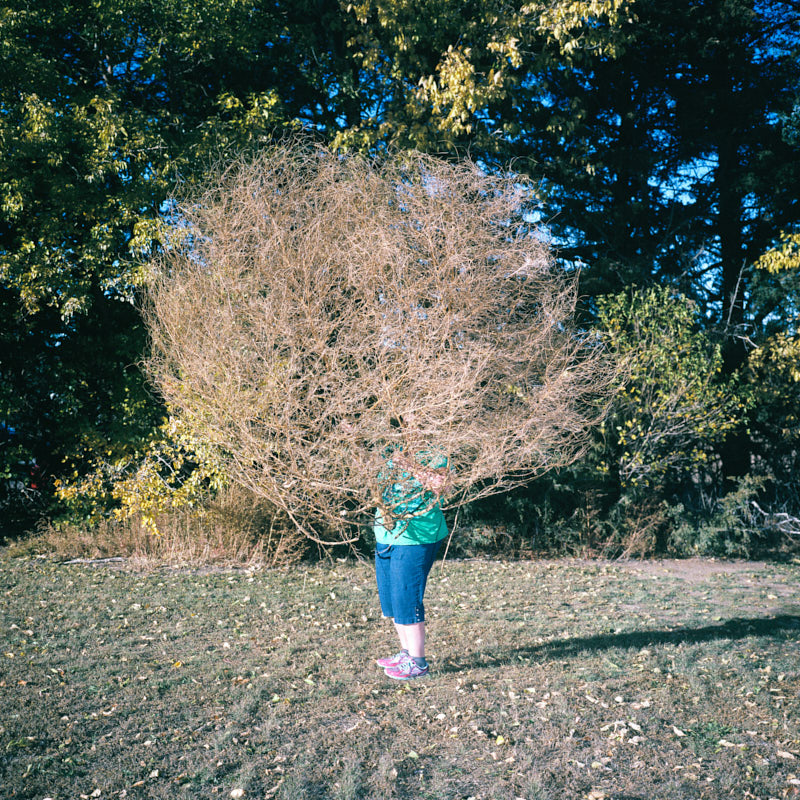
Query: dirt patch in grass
[692, 569]
[558, 679]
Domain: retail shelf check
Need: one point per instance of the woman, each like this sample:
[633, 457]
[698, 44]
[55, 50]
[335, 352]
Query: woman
[409, 528]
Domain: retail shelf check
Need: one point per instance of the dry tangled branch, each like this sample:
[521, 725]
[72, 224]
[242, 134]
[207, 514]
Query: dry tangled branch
[309, 297]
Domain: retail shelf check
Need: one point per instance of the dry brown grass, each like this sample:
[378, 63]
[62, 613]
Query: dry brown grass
[309, 297]
[235, 529]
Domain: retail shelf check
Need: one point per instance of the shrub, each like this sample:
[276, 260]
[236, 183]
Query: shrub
[673, 404]
[738, 524]
[671, 408]
[173, 470]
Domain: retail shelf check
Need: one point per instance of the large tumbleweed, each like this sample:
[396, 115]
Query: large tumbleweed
[308, 297]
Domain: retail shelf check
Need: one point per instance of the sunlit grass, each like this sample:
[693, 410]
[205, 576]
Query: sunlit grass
[550, 680]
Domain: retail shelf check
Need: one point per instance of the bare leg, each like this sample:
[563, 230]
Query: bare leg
[401, 635]
[412, 638]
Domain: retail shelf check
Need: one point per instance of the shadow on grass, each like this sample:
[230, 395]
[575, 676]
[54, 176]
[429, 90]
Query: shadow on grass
[565, 648]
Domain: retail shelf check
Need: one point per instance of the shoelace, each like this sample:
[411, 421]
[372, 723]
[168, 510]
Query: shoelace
[408, 664]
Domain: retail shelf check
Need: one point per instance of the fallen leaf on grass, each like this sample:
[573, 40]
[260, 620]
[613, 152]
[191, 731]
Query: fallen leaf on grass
[786, 755]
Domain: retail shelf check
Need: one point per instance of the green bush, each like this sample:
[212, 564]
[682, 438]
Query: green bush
[172, 470]
[738, 524]
[672, 408]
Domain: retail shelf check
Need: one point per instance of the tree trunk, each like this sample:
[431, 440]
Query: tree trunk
[736, 449]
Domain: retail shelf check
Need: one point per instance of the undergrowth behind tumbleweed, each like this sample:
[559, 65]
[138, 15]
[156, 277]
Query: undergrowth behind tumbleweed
[233, 528]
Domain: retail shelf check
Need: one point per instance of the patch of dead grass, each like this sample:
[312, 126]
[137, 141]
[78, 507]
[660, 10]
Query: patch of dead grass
[235, 529]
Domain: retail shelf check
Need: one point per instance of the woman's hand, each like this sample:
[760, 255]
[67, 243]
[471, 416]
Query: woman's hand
[437, 481]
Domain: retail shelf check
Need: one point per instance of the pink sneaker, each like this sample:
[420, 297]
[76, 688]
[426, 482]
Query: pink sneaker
[392, 661]
[406, 670]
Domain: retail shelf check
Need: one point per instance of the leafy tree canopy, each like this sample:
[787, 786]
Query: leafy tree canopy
[663, 136]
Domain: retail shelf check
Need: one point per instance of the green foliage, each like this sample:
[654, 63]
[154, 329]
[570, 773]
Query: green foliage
[104, 106]
[791, 127]
[70, 394]
[728, 527]
[655, 142]
[434, 75]
[674, 403]
[173, 471]
[773, 376]
[783, 258]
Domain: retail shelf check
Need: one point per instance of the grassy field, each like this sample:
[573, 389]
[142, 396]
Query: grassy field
[557, 679]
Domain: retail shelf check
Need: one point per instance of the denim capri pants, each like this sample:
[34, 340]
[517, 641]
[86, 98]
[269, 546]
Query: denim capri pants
[402, 572]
